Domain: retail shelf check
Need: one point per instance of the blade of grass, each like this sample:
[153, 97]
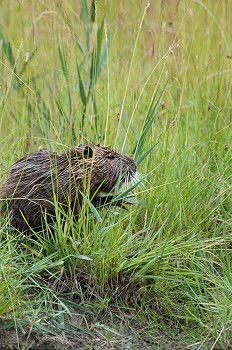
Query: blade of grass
[152, 112]
[92, 207]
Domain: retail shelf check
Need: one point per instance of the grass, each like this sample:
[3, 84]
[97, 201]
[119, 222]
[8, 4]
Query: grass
[155, 82]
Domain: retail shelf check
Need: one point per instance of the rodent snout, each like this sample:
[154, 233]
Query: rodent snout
[130, 170]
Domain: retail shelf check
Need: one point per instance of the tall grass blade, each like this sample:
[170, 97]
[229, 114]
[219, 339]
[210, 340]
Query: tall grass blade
[86, 21]
[141, 159]
[92, 207]
[7, 51]
[152, 112]
[81, 87]
[84, 11]
[93, 11]
[128, 121]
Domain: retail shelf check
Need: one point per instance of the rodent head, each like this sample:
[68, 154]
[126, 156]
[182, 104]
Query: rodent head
[107, 167]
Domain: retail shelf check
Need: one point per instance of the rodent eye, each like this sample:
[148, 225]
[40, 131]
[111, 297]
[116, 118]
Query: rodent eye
[87, 152]
[111, 156]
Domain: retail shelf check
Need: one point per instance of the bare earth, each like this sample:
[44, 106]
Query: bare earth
[132, 339]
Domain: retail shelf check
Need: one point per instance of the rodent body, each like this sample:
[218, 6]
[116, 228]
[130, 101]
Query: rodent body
[38, 180]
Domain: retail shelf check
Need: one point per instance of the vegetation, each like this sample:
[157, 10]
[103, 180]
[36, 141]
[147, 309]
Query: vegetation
[149, 79]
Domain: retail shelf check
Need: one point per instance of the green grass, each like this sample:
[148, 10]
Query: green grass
[156, 82]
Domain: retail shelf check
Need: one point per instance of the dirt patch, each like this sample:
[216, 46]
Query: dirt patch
[13, 341]
[116, 328]
[102, 340]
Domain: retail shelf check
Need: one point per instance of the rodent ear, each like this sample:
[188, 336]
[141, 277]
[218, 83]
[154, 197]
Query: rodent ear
[87, 152]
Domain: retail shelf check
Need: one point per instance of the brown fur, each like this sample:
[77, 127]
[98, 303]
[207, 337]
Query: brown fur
[42, 177]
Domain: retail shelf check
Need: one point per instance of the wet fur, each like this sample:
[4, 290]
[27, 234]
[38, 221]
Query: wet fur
[42, 177]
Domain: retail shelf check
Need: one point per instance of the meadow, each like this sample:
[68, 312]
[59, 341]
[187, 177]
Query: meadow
[151, 79]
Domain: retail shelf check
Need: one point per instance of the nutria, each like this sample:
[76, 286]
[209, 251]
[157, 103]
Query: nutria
[42, 178]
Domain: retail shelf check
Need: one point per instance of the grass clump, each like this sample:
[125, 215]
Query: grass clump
[154, 82]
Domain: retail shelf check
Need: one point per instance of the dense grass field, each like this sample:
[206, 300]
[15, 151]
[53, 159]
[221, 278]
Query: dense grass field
[153, 80]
